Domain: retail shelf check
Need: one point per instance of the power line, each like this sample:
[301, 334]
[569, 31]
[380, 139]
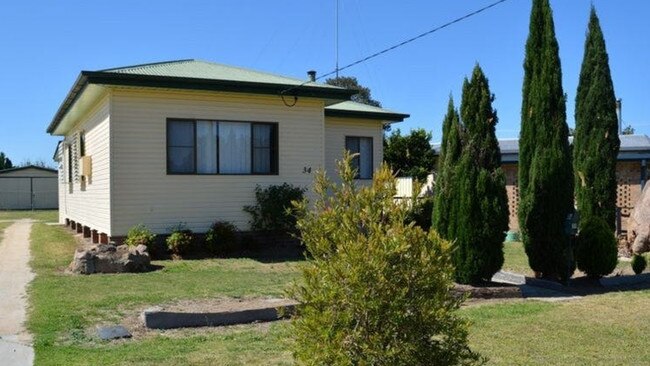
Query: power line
[403, 43]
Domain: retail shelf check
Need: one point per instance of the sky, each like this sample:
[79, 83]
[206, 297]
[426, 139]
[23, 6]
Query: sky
[45, 44]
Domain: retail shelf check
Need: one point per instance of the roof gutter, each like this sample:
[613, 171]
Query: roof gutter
[394, 117]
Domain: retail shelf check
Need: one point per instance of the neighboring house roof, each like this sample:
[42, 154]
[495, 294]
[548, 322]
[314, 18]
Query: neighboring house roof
[27, 167]
[355, 109]
[199, 75]
[633, 147]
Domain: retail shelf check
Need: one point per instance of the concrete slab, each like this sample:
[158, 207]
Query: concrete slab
[509, 277]
[159, 319]
[15, 354]
[112, 332]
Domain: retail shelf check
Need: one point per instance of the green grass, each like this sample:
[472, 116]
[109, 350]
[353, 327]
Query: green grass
[41, 215]
[609, 329]
[65, 308]
[517, 261]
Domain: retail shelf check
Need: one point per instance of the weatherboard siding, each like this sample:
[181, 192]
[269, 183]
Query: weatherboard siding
[337, 128]
[143, 192]
[88, 202]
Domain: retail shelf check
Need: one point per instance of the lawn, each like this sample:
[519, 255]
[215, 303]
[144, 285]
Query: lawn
[605, 329]
[65, 308]
[41, 215]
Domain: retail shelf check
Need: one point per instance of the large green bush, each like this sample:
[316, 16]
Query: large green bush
[376, 291]
[273, 210]
[596, 253]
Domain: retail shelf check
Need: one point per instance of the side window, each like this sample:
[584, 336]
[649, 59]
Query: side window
[181, 142]
[363, 161]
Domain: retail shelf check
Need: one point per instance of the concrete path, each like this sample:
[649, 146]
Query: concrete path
[15, 274]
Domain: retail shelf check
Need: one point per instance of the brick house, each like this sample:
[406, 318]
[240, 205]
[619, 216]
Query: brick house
[631, 173]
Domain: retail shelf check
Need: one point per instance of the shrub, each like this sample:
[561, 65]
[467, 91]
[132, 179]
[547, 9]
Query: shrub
[180, 240]
[273, 209]
[376, 291]
[140, 235]
[221, 238]
[638, 263]
[420, 213]
[596, 253]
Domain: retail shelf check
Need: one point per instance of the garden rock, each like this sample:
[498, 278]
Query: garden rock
[107, 258]
[638, 231]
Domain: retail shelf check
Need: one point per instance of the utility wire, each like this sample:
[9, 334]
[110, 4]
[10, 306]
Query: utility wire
[386, 50]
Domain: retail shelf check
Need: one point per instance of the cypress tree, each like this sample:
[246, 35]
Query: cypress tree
[596, 142]
[481, 210]
[545, 168]
[450, 149]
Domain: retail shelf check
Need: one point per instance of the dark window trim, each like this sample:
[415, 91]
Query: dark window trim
[372, 155]
[275, 151]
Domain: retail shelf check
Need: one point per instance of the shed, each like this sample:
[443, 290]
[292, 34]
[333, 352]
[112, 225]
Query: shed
[28, 188]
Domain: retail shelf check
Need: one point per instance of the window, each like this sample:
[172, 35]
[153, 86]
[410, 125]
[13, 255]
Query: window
[363, 161]
[221, 147]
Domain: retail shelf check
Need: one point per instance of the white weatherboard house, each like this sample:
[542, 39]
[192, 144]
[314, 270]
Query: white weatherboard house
[188, 141]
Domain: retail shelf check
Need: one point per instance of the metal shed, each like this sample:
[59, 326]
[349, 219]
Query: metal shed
[29, 188]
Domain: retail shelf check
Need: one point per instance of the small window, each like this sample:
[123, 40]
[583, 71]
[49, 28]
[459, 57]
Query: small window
[180, 147]
[362, 163]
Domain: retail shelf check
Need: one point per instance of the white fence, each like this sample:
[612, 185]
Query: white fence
[405, 187]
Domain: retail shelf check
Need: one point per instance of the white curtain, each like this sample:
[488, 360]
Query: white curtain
[234, 148]
[206, 139]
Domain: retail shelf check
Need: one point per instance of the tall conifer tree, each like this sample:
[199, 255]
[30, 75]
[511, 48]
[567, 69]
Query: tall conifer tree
[545, 168]
[450, 150]
[596, 143]
[480, 213]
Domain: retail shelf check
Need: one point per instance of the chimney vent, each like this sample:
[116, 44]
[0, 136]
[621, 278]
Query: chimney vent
[312, 75]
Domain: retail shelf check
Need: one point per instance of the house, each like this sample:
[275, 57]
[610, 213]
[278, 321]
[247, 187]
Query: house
[28, 188]
[188, 141]
[631, 174]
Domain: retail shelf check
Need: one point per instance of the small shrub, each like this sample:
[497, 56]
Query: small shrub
[180, 240]
[420, 213]
[596, 253]
[140, 235]
[221, 238]
[273, 210]
[639, 263]
[375, 290]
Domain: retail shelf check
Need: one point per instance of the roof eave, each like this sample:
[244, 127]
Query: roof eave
[392, 117]
[74, 93]
[154, 81]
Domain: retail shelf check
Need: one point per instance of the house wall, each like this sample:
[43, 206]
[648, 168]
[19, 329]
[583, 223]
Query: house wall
[337, 128]
[143, 192]
[628, 191]
[88, 202]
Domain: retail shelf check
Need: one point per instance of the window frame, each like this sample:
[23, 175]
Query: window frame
[372, 154]
[274, 148]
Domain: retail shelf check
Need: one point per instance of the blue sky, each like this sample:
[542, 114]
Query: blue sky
[46, 43]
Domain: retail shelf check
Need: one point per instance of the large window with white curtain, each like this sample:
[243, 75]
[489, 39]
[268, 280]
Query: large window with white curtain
[362, 161]
[221, 147]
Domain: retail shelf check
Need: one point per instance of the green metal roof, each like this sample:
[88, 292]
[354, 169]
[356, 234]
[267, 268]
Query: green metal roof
[199, 75]
[197, 69]
[355, 109]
